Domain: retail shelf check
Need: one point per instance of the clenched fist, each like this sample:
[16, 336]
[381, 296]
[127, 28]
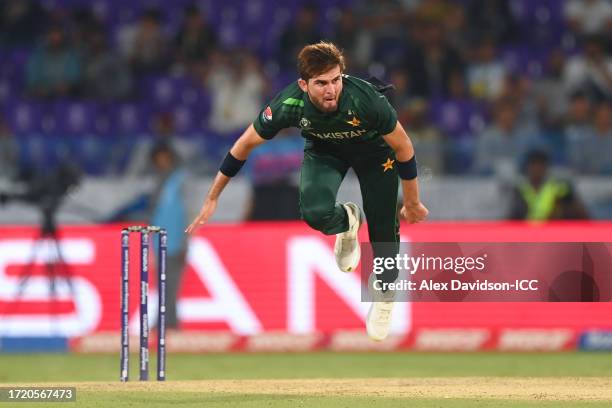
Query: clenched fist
[414, 213]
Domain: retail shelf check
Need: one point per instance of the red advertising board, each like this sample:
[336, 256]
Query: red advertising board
[254, 278]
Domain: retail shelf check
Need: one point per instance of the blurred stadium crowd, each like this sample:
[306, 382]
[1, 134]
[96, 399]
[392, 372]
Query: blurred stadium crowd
[479, 83]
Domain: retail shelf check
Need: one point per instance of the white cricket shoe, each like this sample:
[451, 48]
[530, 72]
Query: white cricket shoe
[378, 321]
[347, 249]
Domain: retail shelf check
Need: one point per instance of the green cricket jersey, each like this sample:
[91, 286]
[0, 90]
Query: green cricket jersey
[363, 115]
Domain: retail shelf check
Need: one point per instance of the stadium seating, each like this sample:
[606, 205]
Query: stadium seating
[256, 25]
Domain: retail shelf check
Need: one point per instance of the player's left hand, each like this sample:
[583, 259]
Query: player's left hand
[414, 213]
[208, 208]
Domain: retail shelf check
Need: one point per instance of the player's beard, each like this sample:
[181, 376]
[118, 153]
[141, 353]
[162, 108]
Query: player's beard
[326, 105]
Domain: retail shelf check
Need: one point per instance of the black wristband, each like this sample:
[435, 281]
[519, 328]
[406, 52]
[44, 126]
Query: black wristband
[231, 165]
[407, 170]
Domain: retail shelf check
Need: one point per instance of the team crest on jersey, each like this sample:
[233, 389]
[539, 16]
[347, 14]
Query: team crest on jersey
[267, 114]
[304, 123]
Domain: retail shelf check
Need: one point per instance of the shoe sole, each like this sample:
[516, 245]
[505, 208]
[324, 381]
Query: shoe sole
[358, 256]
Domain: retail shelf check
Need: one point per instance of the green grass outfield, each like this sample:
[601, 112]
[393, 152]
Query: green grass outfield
[327, 380]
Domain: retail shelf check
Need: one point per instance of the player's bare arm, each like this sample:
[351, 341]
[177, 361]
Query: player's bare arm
[240, 152]
[412, 210]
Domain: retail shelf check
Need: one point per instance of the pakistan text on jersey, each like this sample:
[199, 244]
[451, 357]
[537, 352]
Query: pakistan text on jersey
[339, 135]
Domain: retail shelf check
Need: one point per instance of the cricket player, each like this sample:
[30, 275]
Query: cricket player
[347, 123]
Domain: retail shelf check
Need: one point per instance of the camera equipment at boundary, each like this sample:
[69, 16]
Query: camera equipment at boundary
[45, 191]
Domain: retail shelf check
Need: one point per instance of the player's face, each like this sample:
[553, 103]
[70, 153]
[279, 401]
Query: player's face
[324, 90]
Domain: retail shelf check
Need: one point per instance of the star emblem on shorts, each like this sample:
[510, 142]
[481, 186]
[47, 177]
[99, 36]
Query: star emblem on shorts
[355, 122]
[388, 165]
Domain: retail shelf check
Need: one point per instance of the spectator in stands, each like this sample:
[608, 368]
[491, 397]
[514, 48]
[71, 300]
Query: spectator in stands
[589, 134]
[107, 77]
[84, 25]
[144, 44]
[550, 94]
[384, 20]
[486, 73]
[21, 22]
[9, 152]
[590, 72]
[585, 17]
[427, 139]
[603, 121]
[54, 69]
[455, 27]
[519, 88]
[195, 39]
[237, 87]
[433, 10]
[432, 61]
[504, 142]
[579, 119]
[401, 94]
[457, 87]
[541, 197]
[303, 30]
[492, 19]
[603, 134]
[273, 170]
[356, 42]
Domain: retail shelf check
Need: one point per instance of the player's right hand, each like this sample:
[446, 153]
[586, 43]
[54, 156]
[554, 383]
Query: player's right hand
[414, 213]
[208, 208]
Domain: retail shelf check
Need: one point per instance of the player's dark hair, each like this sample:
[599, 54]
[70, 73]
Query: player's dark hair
[315, 59]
